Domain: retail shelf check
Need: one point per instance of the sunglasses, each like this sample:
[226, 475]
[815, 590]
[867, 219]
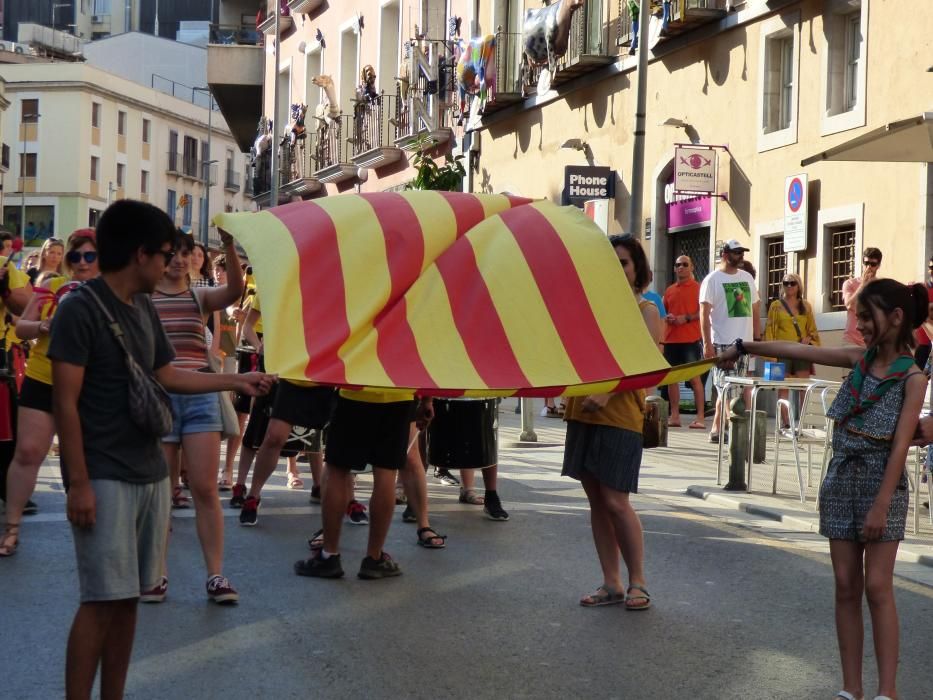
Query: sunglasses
[74, 256]
[789, 283]
[871, 263]
[166, 254]
[681, 264]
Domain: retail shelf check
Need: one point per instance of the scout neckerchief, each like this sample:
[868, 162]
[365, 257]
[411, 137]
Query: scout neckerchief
[898, 369]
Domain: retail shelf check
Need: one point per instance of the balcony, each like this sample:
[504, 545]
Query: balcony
[508, 59]
[375, 129]
[587, 47]
[685, 15]
[303, 7]
[190, 167]
[266, 23]
[174, 163]
[297, 167]
[235, 71]
[231, 180]
[332, 152]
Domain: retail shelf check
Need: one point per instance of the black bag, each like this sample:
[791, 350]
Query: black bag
[651, 430]
[150, 405]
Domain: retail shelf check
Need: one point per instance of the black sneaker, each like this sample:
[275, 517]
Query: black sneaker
[30, 508]
[408, 515]
[383, 567]
[356, 514]
[318, 567]
[221, 592]
[239, 496]
[446, 478]
[250, 512]
[315, 496]
[493, 508]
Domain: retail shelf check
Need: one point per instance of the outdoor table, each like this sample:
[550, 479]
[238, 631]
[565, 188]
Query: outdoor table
[757, 385]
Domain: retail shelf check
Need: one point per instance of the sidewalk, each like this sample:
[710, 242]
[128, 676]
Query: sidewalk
[688, 467]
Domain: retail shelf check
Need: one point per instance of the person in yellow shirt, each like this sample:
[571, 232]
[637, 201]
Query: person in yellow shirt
[35, 426]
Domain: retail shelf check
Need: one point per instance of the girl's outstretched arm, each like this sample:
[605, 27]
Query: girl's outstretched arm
[846, 356]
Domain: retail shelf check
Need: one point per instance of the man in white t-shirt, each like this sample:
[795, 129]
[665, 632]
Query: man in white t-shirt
[728, 310]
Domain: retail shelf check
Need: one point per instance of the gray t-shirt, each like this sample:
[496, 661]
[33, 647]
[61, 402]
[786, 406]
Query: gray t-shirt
[114, 447]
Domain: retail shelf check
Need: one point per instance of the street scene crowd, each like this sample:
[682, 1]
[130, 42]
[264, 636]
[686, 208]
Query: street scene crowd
[143, 351]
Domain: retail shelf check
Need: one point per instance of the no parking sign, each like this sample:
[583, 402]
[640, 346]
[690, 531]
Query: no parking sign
[795, 213]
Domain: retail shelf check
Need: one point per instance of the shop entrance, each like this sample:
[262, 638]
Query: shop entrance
[695, 243]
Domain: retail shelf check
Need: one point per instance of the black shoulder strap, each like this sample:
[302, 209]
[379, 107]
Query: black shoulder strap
[791, 314]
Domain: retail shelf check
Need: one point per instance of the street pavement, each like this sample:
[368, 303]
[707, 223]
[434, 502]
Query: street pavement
[743, 604]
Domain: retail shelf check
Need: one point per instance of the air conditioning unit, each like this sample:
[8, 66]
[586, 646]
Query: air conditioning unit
[98, 19]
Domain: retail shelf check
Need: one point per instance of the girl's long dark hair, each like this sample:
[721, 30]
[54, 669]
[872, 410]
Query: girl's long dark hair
[883, 296]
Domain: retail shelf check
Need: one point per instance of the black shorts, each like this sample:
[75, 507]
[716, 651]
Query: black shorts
[306, 406]
[463, 434]
[246, 362]
[362, 433]
[682, 353]
[36, 395]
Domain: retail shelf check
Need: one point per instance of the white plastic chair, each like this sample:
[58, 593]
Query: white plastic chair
[810, 428]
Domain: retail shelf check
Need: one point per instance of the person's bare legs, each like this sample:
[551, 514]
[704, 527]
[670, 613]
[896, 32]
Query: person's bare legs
[247, 454]
[627, 527]
[381, 507]
[203, 450]
[267, 458]
[879, 589]
[34, 433]
[848, 572]
[316, 462]
[102, 635]
[336, 486]
[491, 477]
[604, 536]
[233, 445]
[699, 398]
[673, 396]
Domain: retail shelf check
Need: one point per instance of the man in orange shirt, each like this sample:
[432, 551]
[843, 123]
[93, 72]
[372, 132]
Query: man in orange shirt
[682, 336]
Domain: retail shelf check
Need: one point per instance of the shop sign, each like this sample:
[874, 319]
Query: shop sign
[684, 211]
[583, 182]
[795, 213]
[695, 170]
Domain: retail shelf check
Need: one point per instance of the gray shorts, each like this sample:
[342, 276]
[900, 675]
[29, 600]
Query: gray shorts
[739, 370]
[124, 552]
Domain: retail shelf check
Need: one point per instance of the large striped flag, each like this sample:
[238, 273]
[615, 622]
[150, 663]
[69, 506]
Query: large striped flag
[446, 294]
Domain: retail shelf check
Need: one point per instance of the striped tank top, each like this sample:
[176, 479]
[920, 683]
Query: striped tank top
[181, 318]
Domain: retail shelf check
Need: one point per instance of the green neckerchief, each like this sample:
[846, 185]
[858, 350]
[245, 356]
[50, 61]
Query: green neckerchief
[898, 369]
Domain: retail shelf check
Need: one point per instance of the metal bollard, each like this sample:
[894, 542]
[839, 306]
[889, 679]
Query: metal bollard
[528, 421]
[738, 445]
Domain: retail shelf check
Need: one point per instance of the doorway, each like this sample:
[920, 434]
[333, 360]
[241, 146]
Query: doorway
[695, 243]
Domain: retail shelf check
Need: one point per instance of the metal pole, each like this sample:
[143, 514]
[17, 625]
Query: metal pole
[274, 192]
[638, 146]
[207, 174]
[22, 190]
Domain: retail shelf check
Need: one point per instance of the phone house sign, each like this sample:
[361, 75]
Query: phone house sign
[582, 183]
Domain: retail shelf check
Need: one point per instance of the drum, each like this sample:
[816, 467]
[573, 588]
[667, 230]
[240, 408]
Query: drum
[464, 433]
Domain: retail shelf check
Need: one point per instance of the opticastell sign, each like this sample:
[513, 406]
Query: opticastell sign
[588, 182]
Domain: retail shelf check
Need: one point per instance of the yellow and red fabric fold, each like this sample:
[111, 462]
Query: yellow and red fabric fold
[446, 294]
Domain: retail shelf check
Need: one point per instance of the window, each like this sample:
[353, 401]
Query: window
[190, 158]
[147, 131]
[853, 54]
[173, 164]
[186, 212]
[144, 182]
[95, 115]
[30, 111]
[121, 123]
[27, 164]
[93, 216]
[776, 262]
[844, 65]
[841, 263]
[95, 168]
[101, 7]
[779, 81]
[170, 205]
[121, 175]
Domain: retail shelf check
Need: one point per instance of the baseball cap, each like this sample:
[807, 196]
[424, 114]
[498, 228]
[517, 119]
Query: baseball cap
[734, 246]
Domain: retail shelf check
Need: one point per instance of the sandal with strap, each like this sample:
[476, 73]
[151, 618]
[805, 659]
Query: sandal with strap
[294, 482]
[845, 695]
[431, 541]
[472, 498]
[604, 595]
[643, 595]
[179, 499]
[9, 542]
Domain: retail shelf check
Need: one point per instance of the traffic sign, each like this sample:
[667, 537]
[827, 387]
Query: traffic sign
[795, 213]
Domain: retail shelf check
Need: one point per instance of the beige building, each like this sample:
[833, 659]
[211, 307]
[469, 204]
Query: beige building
[81, 138]
[758, 87]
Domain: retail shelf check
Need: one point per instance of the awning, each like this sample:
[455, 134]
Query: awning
[905, 141]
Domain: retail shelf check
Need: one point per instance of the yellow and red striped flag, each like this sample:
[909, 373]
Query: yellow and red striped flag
[447, 294]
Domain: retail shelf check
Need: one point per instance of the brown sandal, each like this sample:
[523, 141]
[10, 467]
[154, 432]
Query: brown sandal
[10, 532]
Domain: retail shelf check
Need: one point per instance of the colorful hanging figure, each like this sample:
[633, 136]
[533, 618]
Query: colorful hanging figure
[476, 72]
[298, 130]
[545, 35]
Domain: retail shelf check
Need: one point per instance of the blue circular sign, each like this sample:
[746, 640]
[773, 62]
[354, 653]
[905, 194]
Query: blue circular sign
[795, 194]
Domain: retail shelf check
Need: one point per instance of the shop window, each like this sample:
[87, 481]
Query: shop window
[844, 65]
[841, 262]
[775, 267]
[779, 80]
[95, 114]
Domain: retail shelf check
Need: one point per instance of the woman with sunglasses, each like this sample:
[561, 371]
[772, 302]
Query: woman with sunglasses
[791, 318]
[35, 427]
[50, 260]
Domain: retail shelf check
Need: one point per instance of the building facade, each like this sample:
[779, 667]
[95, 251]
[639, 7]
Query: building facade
[82, 138]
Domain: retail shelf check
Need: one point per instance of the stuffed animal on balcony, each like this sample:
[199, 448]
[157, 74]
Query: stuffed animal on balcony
[366, 91]
[545, 35]
[476, 72]
[263, 137]
[298, 131]
[329, 109]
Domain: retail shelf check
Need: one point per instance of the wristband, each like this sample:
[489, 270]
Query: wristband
[740, 346]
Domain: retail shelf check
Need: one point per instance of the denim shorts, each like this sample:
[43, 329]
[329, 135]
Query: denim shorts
[194, 413]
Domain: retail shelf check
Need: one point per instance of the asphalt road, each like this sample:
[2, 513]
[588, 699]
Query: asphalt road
[742, 608]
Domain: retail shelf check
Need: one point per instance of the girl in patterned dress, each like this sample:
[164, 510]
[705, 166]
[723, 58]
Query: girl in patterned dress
[863, 499]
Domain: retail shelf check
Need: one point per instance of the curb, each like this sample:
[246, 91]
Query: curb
[805, 524]
[526, 445]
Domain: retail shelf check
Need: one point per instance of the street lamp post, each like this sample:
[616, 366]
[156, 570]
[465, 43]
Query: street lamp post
[22, 176]
[207, 166]
[638, 142]
[274, 191]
